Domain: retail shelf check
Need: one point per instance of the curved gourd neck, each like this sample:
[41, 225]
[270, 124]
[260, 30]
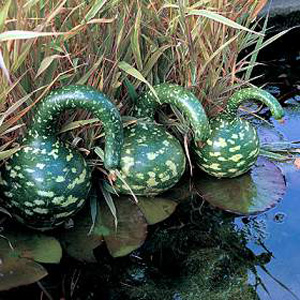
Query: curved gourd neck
[182, 99]
[256, 94]
[45, 120]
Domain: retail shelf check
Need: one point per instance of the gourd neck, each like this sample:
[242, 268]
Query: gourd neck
[182, 99]
[45, 120]
[256, 94]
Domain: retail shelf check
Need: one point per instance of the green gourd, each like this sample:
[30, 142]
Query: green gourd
[152, 160]
[47, 181]
[233, 145]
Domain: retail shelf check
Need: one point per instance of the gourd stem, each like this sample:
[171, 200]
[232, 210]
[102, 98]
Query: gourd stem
[182, 99]
[256, 94]
[74, 97]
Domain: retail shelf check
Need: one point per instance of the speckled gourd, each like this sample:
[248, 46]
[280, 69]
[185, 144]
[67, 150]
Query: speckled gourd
[152, 160]
[233, 144]
[47, 181]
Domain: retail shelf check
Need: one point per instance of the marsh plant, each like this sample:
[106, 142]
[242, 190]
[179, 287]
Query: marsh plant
[120, 48]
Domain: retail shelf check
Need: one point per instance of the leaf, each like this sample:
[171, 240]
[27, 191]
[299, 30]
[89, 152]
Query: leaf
[77, 241]
[110, 203]
[131, 90]
[154, 58]
[135, 40]
[38, 247]
[23, 35]
[87, 74]
[4, 69]
[78, 124]
[97, 5]
[252, 193]
[18, 252]
[131, 231]
[99, 152]
[221, 19]
[46, 62]
[15, 272]
[8, 153]
[156, 209]
[136, 74]
[15, 106]
[4, 13]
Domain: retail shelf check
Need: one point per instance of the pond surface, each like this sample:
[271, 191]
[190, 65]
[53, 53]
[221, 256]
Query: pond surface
[283, 223]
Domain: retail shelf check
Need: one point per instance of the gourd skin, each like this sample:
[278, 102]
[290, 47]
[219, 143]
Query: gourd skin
[40, 188]
[231, 149]
[233, 145]
[152, 160]
[47, 181]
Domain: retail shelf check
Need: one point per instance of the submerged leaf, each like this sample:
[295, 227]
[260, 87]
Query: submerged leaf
[131, 231]
[156, 209]
[252, 193]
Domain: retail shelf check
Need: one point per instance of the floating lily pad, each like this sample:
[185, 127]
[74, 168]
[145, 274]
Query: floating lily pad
[18, 253]
[24, 244]
[15, 272]
[252, 193]
[156, 209]
[130, 232]
[78, 242]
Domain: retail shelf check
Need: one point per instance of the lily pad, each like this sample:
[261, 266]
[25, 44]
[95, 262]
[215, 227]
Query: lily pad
[23, 244]
[15, 272]
[252, 193]
[77, 241]
[130, 232]
[18, 253]
[156, 209]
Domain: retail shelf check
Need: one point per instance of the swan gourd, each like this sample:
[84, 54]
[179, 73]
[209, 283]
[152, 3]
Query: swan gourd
[152, 160]
[47, 181]
[233, 145]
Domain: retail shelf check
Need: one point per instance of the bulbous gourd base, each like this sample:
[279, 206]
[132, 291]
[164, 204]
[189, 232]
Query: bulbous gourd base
[152, 160]
[45, 183]
[231, 149]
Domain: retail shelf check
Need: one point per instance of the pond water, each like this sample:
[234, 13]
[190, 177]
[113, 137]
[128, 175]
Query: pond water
[201, 252]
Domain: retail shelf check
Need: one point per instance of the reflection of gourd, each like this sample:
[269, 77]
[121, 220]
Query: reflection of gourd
[47, 181]
[152, 160]
[233, 145]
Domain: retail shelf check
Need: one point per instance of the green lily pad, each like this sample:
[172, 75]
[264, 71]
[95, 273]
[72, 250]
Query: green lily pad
[15, 272]
[130, 232]
[156, 209]
[252, 193]
[77, 241]
[34, 246]
[18, 253]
